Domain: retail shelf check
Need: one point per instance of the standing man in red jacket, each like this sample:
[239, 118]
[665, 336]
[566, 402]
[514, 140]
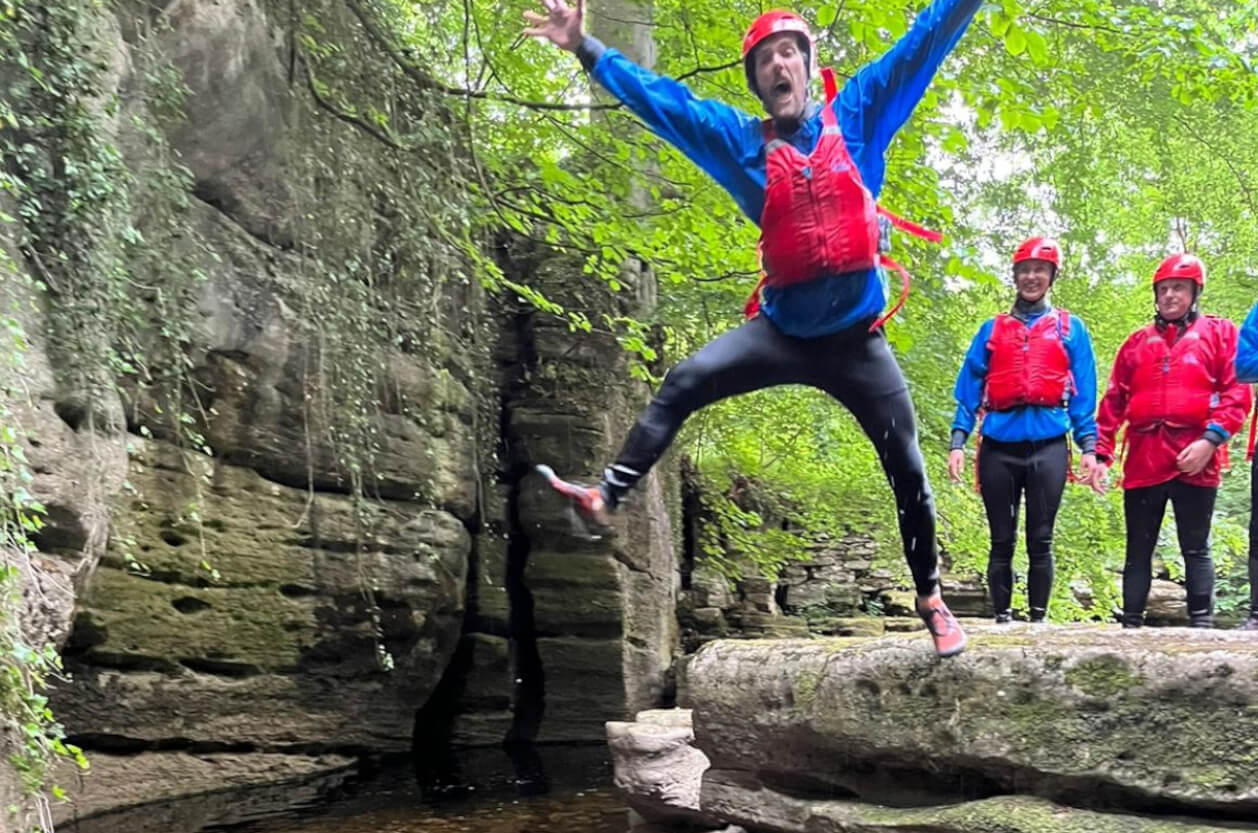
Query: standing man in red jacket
[1174, 384]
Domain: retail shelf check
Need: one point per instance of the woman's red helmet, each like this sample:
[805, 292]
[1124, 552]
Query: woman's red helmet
[1039, 248]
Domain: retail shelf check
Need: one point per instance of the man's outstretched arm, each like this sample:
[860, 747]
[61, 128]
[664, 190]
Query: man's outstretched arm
[711, 134]
[882, 94]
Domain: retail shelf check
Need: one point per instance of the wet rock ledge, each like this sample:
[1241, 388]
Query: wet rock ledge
[1084, 728]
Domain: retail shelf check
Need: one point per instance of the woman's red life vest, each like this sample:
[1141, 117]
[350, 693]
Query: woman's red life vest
[818, 217]
[1028, 365]
[1173, 385]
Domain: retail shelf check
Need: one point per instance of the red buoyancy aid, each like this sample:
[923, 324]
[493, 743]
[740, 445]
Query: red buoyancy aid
[1028, 365]
[819, 218]
[1173, 385]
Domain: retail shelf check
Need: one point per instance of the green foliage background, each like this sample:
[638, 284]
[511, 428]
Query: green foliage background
[1123, 128]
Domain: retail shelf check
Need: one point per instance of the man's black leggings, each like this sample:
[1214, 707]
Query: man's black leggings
[854, 366]
[1006, 471]
[1144, 509]
[1253, 538]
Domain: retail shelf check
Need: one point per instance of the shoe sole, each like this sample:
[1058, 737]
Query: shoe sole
[954, 651]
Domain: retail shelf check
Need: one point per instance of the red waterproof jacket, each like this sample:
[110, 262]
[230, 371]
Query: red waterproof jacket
[1169, 388]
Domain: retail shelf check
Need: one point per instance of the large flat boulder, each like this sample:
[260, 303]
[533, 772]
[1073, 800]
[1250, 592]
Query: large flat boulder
[1089, 717]
[726, 795]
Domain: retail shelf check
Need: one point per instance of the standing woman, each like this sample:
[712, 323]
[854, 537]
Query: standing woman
[1032, 374]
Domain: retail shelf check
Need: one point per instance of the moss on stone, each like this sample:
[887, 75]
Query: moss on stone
[1023, 815]
[805, 684]
[1102, 676]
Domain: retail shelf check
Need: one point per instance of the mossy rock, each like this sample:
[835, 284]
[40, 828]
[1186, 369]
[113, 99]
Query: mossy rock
[1169, 715]
[732, 797]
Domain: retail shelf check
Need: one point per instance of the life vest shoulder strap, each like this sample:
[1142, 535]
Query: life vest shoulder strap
[909, 226]
[832, 85]
[1063, 324]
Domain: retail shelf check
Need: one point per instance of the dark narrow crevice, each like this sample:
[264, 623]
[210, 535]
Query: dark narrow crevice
[220, 667]
[189, 605]
[529, 695]
[431, 747]
[222, 199]
[73, 414]
[690, 509]
[432, 752]
[780, 596]
[529, 679]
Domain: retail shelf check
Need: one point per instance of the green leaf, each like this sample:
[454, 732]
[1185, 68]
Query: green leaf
[1036, 47]
[1015, 41]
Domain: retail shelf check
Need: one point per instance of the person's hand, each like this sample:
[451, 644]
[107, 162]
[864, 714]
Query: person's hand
[956, 464]
[562, 24]
[1100, 477]
[1087, 469]
[1195, 457]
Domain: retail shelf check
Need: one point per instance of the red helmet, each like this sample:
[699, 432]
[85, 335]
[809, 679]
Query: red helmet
[770, 23]
[1039, 248]
[1182, 266]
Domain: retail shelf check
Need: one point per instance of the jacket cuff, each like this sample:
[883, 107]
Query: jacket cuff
[1214, 436]
[958, 439]
[1087, 444]
[590, 50]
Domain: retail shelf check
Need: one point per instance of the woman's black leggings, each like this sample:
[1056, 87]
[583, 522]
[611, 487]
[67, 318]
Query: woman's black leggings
[1007, 471]
[854, 366]
[1144, 509]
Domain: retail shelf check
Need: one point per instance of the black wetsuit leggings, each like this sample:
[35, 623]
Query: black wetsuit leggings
[1253, 538]
[1006, 472]
[1144, 509]
[854, 366]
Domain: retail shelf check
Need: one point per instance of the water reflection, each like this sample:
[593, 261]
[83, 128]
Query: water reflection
[517, 788]
[567, 811]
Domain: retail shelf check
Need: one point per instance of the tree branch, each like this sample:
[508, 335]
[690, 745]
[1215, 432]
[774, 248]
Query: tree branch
[349, 118]
[700, 69]
[1245, 187]
[427, 82]
[1095, 27]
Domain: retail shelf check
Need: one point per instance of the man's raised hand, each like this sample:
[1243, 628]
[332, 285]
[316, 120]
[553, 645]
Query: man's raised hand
[562, 24]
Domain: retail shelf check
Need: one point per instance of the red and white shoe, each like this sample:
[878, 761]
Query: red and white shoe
[943, 626]
[586, 500]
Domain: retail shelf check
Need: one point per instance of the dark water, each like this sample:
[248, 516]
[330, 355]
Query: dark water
[524, 789]
[555, 789]
[563, 811]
